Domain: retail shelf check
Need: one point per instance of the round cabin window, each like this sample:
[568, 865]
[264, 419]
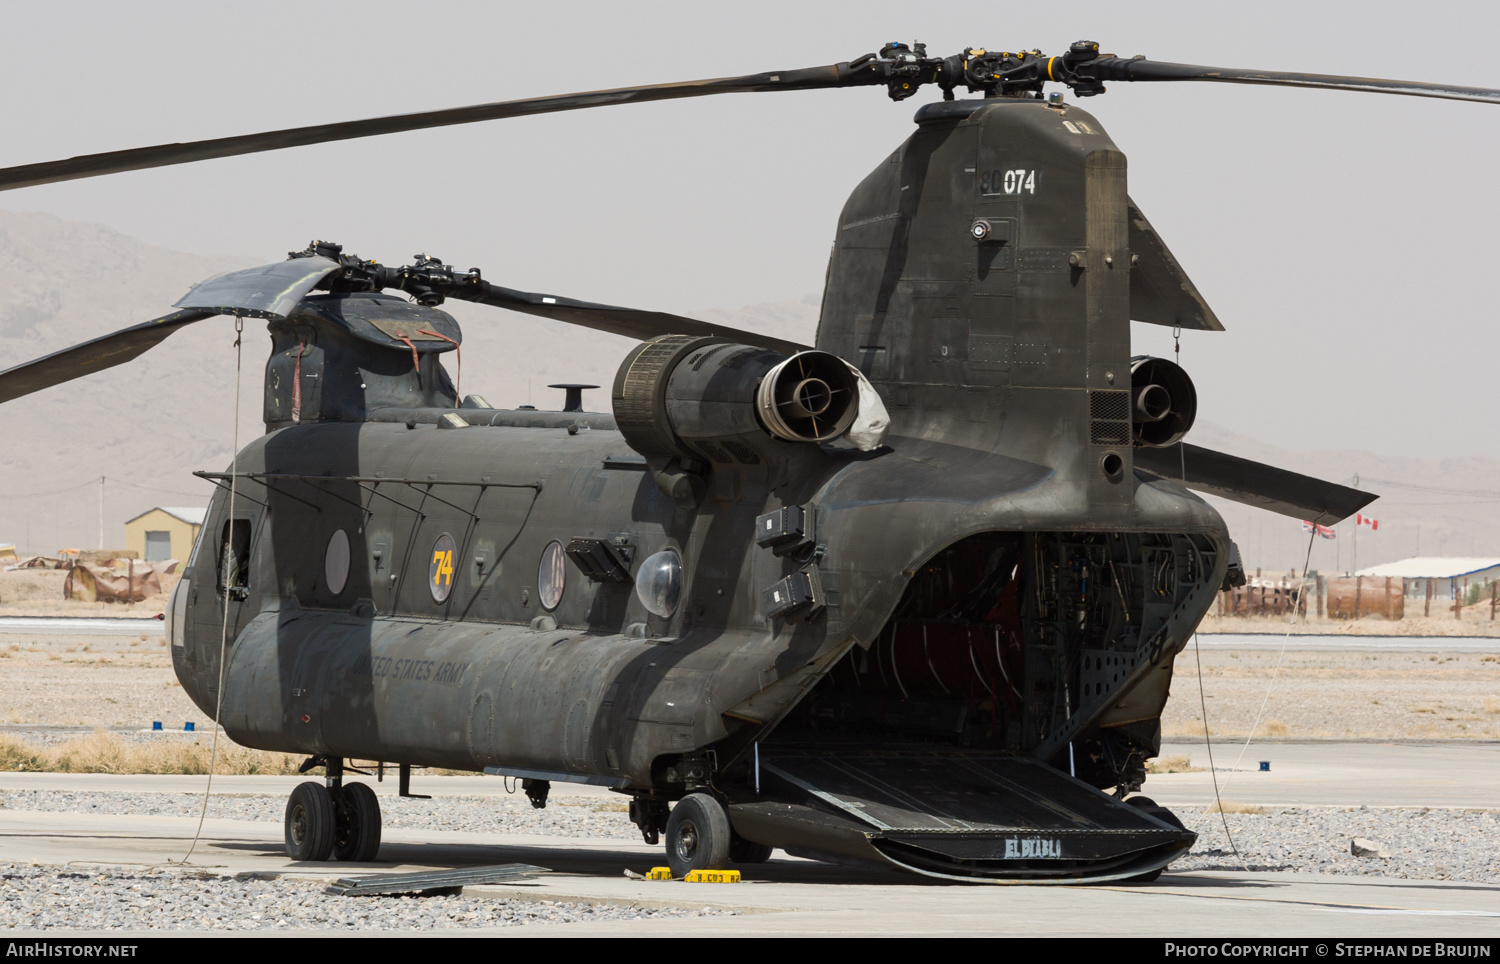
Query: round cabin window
[440, 568]
[336, 562]
[551, 575]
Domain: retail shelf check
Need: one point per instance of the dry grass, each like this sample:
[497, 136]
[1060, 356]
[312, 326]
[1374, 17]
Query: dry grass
[1172, 764]
[1491, 705]
[103, 752]
[1274, 728]
[595, 804]
[1232, 806]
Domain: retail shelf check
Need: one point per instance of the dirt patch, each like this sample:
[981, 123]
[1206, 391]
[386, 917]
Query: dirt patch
[39, 592]
[92, 681]
[1337, 695]
[1475, 622]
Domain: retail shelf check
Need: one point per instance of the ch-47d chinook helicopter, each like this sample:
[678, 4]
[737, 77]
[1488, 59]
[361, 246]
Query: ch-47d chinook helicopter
[910, 597]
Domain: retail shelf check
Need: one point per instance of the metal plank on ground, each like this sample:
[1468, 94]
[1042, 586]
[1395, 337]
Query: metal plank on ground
[375, 884]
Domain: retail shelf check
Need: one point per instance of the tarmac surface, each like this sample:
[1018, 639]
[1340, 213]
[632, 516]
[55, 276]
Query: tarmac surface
[80, 626]
[789, 896]
[1336, 774]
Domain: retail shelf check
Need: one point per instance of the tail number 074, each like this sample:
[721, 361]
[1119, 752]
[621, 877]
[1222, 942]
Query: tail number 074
[1015, 181]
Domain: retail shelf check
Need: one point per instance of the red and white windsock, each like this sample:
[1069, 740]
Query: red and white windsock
[1364, 520]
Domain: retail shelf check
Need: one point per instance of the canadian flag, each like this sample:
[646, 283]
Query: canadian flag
[1364, 520]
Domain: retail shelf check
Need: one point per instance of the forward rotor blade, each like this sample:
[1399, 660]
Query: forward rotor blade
[1254, 483]
[163, 155]
[267, 291]
[1116, 68]
[93, 356]
[630, 322]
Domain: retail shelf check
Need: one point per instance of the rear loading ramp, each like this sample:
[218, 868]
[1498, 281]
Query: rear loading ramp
[953, 814]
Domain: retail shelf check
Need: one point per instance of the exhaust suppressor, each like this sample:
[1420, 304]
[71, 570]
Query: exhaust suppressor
[1163, 401]
[810, 397]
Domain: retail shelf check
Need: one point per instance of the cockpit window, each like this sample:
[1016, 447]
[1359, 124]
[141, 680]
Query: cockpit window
[234, 559]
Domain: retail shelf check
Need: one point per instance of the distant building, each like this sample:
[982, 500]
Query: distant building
[164, 533]
[1444, 573]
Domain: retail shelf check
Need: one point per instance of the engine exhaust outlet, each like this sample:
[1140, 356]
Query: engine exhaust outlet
[1165, 401]
[1153, 404]
[810, 397]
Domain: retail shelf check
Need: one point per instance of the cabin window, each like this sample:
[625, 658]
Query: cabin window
[551, 575]
[441, 567]
[336, 562]
[234, 559]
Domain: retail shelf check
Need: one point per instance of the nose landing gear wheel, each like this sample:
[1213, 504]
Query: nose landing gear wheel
[309, 822]
[356, 836]
[697, 835]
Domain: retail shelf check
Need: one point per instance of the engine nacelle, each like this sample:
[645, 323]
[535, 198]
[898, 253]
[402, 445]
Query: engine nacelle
[681, 400]
[674, 393]
[1163, 402]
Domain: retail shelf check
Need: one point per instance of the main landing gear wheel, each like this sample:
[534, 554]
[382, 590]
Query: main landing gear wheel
[1165, 816]
[310, 822]
[356, 835]
[742, 851]
[697, 835]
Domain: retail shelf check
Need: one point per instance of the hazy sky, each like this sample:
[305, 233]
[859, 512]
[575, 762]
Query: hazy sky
[1344, 239]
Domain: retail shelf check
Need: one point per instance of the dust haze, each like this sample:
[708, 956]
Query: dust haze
[1341, 238]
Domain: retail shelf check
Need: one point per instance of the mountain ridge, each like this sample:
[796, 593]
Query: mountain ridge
[147, 425]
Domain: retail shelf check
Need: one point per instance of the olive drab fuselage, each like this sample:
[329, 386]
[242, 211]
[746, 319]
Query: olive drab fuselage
[911, 596]
[981, 280]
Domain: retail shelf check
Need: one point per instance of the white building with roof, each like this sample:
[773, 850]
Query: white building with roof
[165, 532]
[1447, 574]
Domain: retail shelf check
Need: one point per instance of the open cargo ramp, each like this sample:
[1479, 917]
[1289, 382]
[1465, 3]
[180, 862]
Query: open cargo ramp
[952, 813]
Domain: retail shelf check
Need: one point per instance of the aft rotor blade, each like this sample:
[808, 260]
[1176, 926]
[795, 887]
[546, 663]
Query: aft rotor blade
[630, 322]
[163, 155]
[269, 291]
[1115, 68]
[93, 356]
[1254, 483]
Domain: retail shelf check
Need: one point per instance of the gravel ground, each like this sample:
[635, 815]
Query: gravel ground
[1424, 843]
[43, 898]
[563, 817]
